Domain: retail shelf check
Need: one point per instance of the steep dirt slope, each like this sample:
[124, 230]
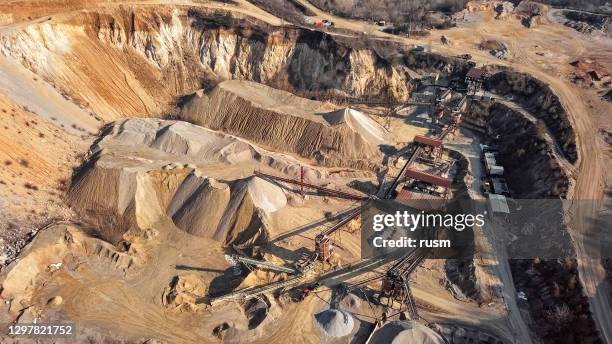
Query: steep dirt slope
[537, 97]
[36, 159]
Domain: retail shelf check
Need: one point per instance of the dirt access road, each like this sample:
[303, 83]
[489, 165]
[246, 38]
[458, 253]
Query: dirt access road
[564, 44]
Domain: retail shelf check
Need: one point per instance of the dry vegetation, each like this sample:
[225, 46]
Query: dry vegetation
[37, 158]
[588, 5]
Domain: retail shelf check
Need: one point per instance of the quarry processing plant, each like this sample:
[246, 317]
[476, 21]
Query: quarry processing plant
[209, 171]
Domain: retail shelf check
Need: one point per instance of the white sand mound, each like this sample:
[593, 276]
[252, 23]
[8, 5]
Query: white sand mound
[406, 332]
[177, 139]
[360, 123]
[265, 195]
[334, 323]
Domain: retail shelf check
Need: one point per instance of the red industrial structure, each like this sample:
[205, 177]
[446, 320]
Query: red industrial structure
[428, 178]
[323, 244]
[433, 146]
[328, 191]
[474, 79]
[430, 141]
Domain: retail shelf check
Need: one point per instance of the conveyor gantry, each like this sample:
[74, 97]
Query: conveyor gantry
[263, 264]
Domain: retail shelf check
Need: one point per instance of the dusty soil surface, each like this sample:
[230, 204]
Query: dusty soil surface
[139, 253]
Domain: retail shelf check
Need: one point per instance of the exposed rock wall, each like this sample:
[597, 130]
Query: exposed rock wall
[138, 61]
[530, 167]
[220, 47]
[537, 98]
[426, 62]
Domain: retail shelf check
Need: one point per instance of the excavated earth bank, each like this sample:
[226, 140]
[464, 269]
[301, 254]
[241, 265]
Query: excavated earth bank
[144, 59]
[536, 97]
[535, 171]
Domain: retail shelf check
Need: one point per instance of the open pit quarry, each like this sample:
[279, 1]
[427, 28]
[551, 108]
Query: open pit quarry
[202, 172]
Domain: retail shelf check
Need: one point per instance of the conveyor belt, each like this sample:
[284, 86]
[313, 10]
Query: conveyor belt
[331, 192]
[263, 264]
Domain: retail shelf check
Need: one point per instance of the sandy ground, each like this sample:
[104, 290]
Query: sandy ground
[564, 44]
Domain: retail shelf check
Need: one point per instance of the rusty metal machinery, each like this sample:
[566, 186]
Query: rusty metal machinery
[324, 190]
[323, 244]
[395, 284]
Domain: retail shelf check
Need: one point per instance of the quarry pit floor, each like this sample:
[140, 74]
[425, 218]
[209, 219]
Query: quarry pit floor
[103, 296]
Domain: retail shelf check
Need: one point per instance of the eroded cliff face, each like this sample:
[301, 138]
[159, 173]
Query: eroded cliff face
[532, 170]
[140, 61]
[536, 97]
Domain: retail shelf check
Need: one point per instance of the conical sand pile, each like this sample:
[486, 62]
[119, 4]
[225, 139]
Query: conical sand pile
[406, 332]
[334, 323]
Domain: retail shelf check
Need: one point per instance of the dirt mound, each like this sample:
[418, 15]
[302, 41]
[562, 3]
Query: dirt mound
[334, 323]
[144, 171]
[287, 123]
[244, 222]
[52, 252]
[185, 293]
[205, 207]
[201, 213]
[261, 277]
[406, 332]
[256, 310]
[495, 47]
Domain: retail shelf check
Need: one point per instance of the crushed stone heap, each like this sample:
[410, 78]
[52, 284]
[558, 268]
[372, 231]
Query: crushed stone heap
[406, 332]
[288, 123]
[334, 323]
[143, 171]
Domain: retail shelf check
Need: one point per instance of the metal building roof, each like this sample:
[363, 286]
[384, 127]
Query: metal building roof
[430, 141]
[498, 204]
[428, 178]
[477, 73]
[499, 186]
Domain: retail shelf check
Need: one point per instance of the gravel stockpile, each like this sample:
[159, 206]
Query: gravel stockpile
[334, 323]
[406, 332]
